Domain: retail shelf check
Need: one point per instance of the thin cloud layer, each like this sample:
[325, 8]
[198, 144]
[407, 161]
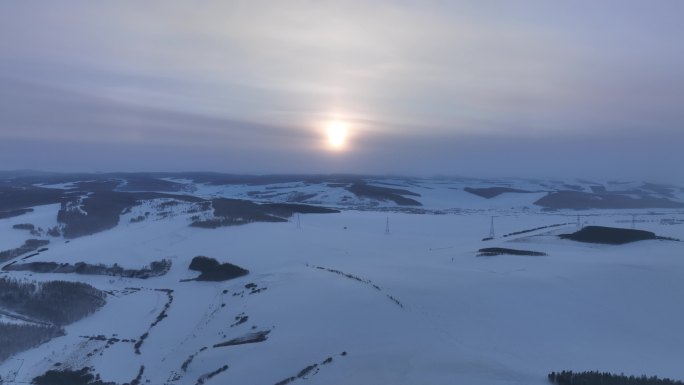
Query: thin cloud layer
[443, 82]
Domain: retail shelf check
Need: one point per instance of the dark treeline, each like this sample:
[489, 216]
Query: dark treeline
[28, 246]
[493, 251]
[19, 337]
[609, 235]
[598, 378]
[363, 190]
[82, 376]
[534, 229]
[491, 192]
[155, 269]
[101, 210]
[14, 213]
[56, 302]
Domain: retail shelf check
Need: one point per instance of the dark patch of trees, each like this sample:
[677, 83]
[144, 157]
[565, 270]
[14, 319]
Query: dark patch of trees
[249, 338]
[164, 313]
[214, 223]
[361, 189]
[147, 183]
[14, 213]
[138, 378]
[28, 246]
[140, 341]
[240, 319]
[15, 338]
[160, 317]
[493, 251]
[23, 196]
[603, 378]
[311, 369]
[82, 376]
[212, 270]
[155, 269]
[187, 362]
[609, 200]
[254, 288]
[238, 208]
[534, 229]
[233, 212]
[202, 263]
[97, 212]
[491, 192]
[57, 302]
[102, 210]
[206, 377]
[54, 231]
[609, 235]
[24, 226]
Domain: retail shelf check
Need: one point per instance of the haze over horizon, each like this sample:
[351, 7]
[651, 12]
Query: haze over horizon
[526, 89]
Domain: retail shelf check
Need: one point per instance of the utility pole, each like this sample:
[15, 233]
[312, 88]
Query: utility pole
[579, 223]
[491, 228]
[387, 226]
[633, 221]
[299, 221]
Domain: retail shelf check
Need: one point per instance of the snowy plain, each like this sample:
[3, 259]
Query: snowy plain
[426, 309]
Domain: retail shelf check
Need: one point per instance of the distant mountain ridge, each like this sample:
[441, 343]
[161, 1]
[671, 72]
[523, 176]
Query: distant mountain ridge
[93, 202]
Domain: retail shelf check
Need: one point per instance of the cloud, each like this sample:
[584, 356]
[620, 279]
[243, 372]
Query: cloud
[37, 112]
[263, 76]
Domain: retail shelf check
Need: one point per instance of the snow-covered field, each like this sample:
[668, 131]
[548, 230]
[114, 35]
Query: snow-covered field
[424, 309]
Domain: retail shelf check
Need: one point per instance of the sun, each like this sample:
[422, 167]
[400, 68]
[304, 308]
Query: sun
[337, 134]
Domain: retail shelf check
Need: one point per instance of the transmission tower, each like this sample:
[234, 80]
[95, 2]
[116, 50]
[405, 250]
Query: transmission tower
[491, 228]
[634, 221]
[299, 221]
[387, 231]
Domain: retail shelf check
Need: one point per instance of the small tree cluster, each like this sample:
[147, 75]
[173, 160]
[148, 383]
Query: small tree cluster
[568, 377]
[82, 376]
[212, 270]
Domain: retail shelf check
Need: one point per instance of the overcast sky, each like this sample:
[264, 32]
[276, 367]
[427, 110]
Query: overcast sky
[583, 88]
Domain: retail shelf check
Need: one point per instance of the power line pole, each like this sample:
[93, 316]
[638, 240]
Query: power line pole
[633, 221]
[387, 231]
[299, 221]
[491, 228]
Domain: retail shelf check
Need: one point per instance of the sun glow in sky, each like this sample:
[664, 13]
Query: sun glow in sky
[337, 134]
[451, 87]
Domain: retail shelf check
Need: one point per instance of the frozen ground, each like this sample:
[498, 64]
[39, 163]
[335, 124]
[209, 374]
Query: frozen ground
[424, 309]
